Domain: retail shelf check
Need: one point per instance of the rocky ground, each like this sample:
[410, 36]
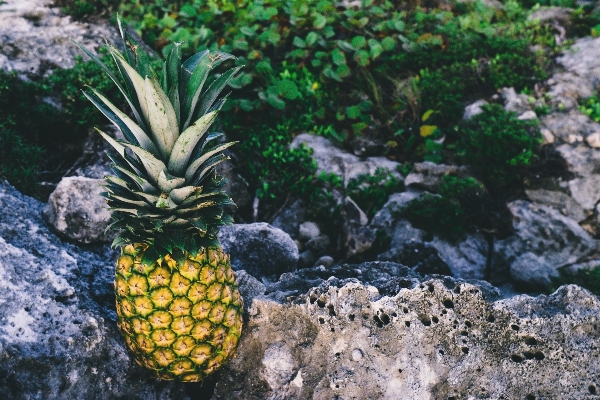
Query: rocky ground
[419, 321]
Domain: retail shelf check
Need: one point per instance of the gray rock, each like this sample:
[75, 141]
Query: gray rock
[527, 116]
[290, 218]
[94, 162]
[326, 261]
[36, 36]
[259, 248]
[367, 147]
[77, 211]
[308, 231]
[558, 200]
[330, 159]
[386, 218]
[532, 270]
[358, 238]
[58, 334]
[515, 102]
[546, 233]
[319, 244]
[565, 126]
[474, 109]
[427, 175]
[435, 340]
[250, 287]
[561, 15]
[586, 191]
[236, 187]
[354, 215]
[581, 160]
[307, 259]
[467, 259]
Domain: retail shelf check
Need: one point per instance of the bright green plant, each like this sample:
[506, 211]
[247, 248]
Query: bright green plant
[498, 146]
[591, 108]
[371, 192]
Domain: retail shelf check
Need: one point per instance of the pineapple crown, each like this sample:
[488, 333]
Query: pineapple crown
[166, 192]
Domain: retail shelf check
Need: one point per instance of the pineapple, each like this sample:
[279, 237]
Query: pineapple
[177, 299]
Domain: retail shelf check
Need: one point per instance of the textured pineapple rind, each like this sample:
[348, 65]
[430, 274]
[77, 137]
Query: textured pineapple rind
[180, 318]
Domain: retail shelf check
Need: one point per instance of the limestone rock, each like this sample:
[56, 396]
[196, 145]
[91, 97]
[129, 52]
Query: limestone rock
[36, 36]
[290, 218]
[308, 231]
[573, 123]
[330, 159]
[558, 200]
[474, 109]
[515, 102]
[77, 211]
[236, 187]
[436, 340]
[259, 249]
[533, 270]
[250, 287]
[546, 233]
[427, 175]
[466, 259]
[58, 334]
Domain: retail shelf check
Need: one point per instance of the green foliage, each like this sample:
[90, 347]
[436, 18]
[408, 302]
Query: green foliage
[83, 9]
[371, 192]
[588, 278]
[498, 145]
[451, 213]
[19, 160]
[591, 108]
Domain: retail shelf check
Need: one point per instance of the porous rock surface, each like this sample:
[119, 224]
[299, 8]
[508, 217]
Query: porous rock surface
[58, 335]
[36, 37]
[436, 340]
[77, 211]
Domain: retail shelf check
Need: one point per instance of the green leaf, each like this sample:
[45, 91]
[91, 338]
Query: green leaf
[188, 11]
[358, 42]
[245, 30]
[311, 39]
[353, 112]
[343, 71]
[208, 98]
[338, 57]
[275, 101]
[330, 73]
[320, 21]
[180, 194]
[150, 256]
[287, 89]
[182, 150]
[299, 42]
[171, 77]
[399, 26]
[178, 238]
[168, 182]
[388, 43]
[376, 48]
[345, 46]
[161, 118]
[240, 81]
[151, 164]
[362, 58]
[193, 168]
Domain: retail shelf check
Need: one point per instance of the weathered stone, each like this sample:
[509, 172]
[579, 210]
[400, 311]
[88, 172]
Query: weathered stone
[290, 218]
[326, 261]
[561, 15]
[330, 159]
[527, 116]
[358, 237]
[236, 187]
[548, 137]
[259, 249]
[515, 102]
[546, 233]
[77, 211]
[367, 147]
[319, 244]
[532, 270]
[308, 231]
[571, 124]
[427, 175]
[306, 259]
[436, 340]
[467, 259]
[37, 38]
[249, 286]
[58, 334]
[581, 160]
[474, 109]
[421, 257]
[558, 200]
[586, 191]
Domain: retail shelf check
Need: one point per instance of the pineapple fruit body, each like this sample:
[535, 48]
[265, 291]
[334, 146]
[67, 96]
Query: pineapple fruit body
[181, 316]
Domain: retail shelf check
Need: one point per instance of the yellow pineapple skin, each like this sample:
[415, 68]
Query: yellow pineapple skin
[181, 319]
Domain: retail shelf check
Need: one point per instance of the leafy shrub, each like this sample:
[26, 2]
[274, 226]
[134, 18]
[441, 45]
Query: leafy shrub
[371, 192]
[498, 145]
[591, 108]
[588, 278]
[84, 9]
[19, 161]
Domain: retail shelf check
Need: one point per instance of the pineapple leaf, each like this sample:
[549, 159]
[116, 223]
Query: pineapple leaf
[164, 243]
[199, 223]
[191, 246]
[213, 91]
[171, 71]
[178, 237]
[150, 256]
[193, 168]
[132, 132]
[168, 183]
[141, 182]
[196, 82]
[161, 117]
[179, 195]
[152, 164]
[182, 150]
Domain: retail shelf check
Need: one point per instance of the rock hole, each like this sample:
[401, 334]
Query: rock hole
[531, 341]
[530, 397]
[426, 321]
[321, 303]
[431, 288]
[313, 298]
[407, 323]
[468, 324]
[444, 312]
[592, 389]
[405, 310]
[528, 355]
[332, 329]
[400, 370]
[435, 319]
[331, 310]
[464, 333]
[516, 358]
[451, 398]
[539, 356]
[321, 320]
[385, 318]
[448, 303]
[351, 317]
[465, 350]
[515, 327]
[491, 318]
[378, 322]
[457, 290]
[394, 314]
[441, 352]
